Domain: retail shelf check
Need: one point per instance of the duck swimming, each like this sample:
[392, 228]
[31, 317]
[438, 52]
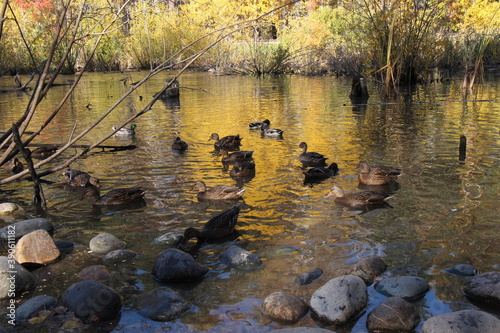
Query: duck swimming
[43, 152]
[257, 125]
[218, 192]
[311, 158]
[180, 145]
[80, 179]
[245, 169]
[359, 199]
[230, 142]
[121, 196]
[318, 173]
[235, 156]
[124, 131]
[377, 174]
[271, 132]
[14, 165]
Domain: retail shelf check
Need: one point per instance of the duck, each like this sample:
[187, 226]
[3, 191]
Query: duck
[318, 173]
[124, 131]
[311, 158]
[14, 165]
[219, 226]
[271, 132]
[243, 169]
[80, 179]
[180, 145]
[235, 156]
[120, 196]
[377, 174]
[257, 125]
[230, 142]
[218, 192]
[43, 152]
[360, 198]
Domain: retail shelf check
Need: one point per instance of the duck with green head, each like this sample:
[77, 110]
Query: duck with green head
[124, 131]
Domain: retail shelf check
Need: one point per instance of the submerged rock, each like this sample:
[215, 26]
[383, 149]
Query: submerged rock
[308, 277]
[407, 287]
[32, 306]
[95, 273]
[91, 301]
[393, 314]
[484, 287]
[105, 242]
[463, 270]
[284, 307]
[118, 256]
[162, 304]
[37, 247]
[368, 268]
[170, 239]
[14, 277]
[239, 258]
[340, 299]
[464, 321]
[174, 265]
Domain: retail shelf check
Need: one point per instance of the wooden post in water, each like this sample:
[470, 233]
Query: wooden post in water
[462, 149]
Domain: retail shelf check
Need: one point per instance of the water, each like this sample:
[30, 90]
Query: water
[444, 213]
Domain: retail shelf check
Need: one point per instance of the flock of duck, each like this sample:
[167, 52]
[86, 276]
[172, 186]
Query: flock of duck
[227, 148]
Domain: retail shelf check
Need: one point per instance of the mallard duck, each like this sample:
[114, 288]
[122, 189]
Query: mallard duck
[311, 158]
[80, 178]
[180, 145]
[235, 156]
[43, 152]
[219, 226]
[243, 169]
[125, 131]
[377, 174]
[271, 132]
[14, 165]
[120, 196]
[357, 199]
[230, 142]
[322, 173]
[218, 192]
[257, 125]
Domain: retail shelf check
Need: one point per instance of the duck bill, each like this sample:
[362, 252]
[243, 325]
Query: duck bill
[329, 194]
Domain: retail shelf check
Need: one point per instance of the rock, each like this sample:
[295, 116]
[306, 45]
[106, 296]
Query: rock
[308, 277]
[37, 247]
[239, 258]
[407, 287]
[393, 314]
[368, 268]
[64, 246]
[161, 304]
[170, 239]
[104, 243]
[174, 265]
[29, 308]
[10, 271]
[95, 273]
[484, 287]
[10, 208]
[464, 321]
[21, 228]
[118, 256]
[340, 299]
[462, 270]
[303, 330]
[91, 300]
[284, 307]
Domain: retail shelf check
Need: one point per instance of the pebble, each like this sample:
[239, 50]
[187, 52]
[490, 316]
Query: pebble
[308, 277]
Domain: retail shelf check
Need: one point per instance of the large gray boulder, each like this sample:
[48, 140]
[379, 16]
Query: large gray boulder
[174, 265]
[14, 278]
[21, 228]
[393, 314]
[340, 299]
[464, 321]
[484, 287]
[407, 287]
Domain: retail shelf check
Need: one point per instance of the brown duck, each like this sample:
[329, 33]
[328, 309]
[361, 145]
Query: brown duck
[230, 142]
[377, 174]
[14, 165]
[43, 152]
[121, 196]
[357, 199]
[80, 179]
[179, 145]
[219, 226]
[236, 156]
[218, 192]
[243, 169]
[311, 158]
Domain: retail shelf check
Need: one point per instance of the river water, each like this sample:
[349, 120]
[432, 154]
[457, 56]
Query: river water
[444, 213]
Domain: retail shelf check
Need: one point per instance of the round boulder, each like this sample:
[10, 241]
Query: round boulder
[29, 308]
[484, 287]
[407, 287]
[236, 257]
[284, 307]
[174, 265]
[308, 277]
[21, 228]
[105, 242]
[14, 278]
[393, 314]
[37, 247]
[91, 300]
[340, 299]
[368, 268]
[464, 321]
[161, 304]
[118, 256]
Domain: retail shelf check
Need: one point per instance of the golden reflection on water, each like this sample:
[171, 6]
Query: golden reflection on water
[444, 213]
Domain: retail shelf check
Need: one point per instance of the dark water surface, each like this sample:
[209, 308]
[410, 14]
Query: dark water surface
[444, 213]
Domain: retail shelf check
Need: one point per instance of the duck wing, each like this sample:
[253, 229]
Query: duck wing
[122, 196]
[222, 224]
[225, 192]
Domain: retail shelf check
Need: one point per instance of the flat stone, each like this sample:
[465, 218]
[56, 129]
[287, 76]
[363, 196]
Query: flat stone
[174, 265]
[464, 321]
[484, 287]
[369, 268]
[284, 307]
[162, 304]
[105, 242]
[95, 273]
[37, 247]
[340, 299]
[32, 306]
[91, 301]
[118, 256]
[407, 287]
[10, 271]
[239, 258]
[19, 229]
[393, 314]
[308, 277]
